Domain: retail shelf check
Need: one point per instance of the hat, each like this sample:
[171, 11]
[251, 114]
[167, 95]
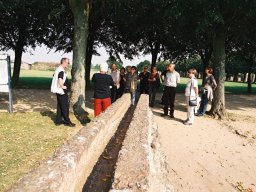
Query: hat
[104, 67]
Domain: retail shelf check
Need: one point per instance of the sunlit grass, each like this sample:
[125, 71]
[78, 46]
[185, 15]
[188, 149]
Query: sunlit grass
[25, 140]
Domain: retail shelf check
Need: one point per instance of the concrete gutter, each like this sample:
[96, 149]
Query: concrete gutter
[68, 169]
[141, 166]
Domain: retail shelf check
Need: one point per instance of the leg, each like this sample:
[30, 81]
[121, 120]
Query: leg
[153, 96]
[190, 114]
[105, 103]
[150, 95]
[97, 107]
[166, 98]
[113, 94]
[65, 108]
[172, 99]
[133, 97]
[59, 115]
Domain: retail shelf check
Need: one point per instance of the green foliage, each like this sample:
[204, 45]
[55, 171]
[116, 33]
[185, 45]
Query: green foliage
[188, 63]
[112, 60]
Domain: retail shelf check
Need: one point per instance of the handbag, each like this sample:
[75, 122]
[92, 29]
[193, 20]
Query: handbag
[192, 102]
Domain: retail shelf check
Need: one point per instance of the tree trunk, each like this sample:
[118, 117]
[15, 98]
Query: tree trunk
[218, 108]
[249, 79]
[205, 57]
[89, 52]
[17, 64]
[235, 77]
[154, 52]
[80, 9]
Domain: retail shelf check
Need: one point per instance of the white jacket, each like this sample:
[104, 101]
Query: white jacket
[55, 87]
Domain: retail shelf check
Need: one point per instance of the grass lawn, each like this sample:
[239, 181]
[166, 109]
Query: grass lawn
[33, 79]
[25, 140]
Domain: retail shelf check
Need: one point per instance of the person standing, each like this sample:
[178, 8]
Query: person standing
[59, 86]
[144, 83]
[115, 74]
[122, 82]
[191, 93]
[171, 80]
[131, 83]
[154, 83]
[208, 86]
[102, 94]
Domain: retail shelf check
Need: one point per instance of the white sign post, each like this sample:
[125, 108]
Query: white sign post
[5, 78]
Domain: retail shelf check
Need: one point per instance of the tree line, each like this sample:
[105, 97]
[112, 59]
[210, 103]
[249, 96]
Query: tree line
[219, 32]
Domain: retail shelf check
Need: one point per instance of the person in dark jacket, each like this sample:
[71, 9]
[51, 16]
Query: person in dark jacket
[208, 86]
[144, 83]
[102, 85]
[154, 83]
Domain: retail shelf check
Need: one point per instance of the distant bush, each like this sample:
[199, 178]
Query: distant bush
[44, 66]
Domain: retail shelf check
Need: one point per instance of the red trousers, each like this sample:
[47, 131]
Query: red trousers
[101, 105]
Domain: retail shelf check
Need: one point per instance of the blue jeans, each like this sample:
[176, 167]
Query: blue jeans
[133, 97]
[203, 105]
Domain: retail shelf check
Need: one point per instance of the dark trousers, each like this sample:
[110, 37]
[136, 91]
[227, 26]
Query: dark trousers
[144, 88]
[203, 105]
[113, 94]
[62, 109]
[169, 98]
[152, 95]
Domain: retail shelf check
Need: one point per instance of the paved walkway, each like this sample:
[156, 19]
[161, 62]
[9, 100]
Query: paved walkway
[210, 155]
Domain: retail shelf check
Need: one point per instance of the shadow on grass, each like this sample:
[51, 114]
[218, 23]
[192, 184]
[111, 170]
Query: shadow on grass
[49, 114]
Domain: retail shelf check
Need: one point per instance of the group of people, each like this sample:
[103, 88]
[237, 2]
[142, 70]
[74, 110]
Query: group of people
[110, 85]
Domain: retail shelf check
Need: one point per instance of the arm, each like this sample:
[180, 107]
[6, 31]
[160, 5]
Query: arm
[61, 83]
[178, 78]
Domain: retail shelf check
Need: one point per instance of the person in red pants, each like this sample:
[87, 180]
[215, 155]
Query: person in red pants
[102, 85]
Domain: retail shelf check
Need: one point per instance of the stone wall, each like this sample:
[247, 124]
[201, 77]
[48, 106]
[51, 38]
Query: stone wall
[141, 166]
[68, 169]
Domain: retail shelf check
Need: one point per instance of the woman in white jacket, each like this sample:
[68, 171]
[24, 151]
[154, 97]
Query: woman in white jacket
[191, 93]
[59, 86]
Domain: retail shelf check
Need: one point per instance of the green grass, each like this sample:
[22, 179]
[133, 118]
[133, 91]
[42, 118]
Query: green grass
[32, 79]
[25, 140]
[230, 87]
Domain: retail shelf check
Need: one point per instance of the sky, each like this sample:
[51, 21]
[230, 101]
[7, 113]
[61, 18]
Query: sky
[44, 54]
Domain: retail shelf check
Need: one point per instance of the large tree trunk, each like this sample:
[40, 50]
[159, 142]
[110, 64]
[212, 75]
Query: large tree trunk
[154, 51]
[249, 80]
[89, 53]
[218, 108]
[17, 64]
[205, 57]
[80, 9]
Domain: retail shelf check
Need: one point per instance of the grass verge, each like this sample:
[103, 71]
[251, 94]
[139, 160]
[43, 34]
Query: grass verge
[25, 140]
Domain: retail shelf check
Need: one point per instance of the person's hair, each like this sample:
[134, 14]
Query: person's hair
[193, 71]
[128, 66]
[145, 67]
[154, 68]
[170, 64]
[63, 59]
[103, 67]
[122, 68]
[210, 70]
[133, 67]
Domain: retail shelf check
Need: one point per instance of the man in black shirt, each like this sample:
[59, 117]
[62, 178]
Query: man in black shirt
[59, 86]
[102, 94]
[144, 83]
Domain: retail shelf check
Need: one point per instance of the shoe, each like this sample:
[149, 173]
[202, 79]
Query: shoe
[70, 124]
[187, 123]
[164, 115]
[58, 124]
[171, 116]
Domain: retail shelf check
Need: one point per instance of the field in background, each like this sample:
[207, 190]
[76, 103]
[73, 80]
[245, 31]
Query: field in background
[34, 79]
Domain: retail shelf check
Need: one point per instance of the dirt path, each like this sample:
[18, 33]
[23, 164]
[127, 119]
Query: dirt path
[211, 155]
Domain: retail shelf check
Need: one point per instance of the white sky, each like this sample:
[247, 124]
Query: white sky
[41, 54]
